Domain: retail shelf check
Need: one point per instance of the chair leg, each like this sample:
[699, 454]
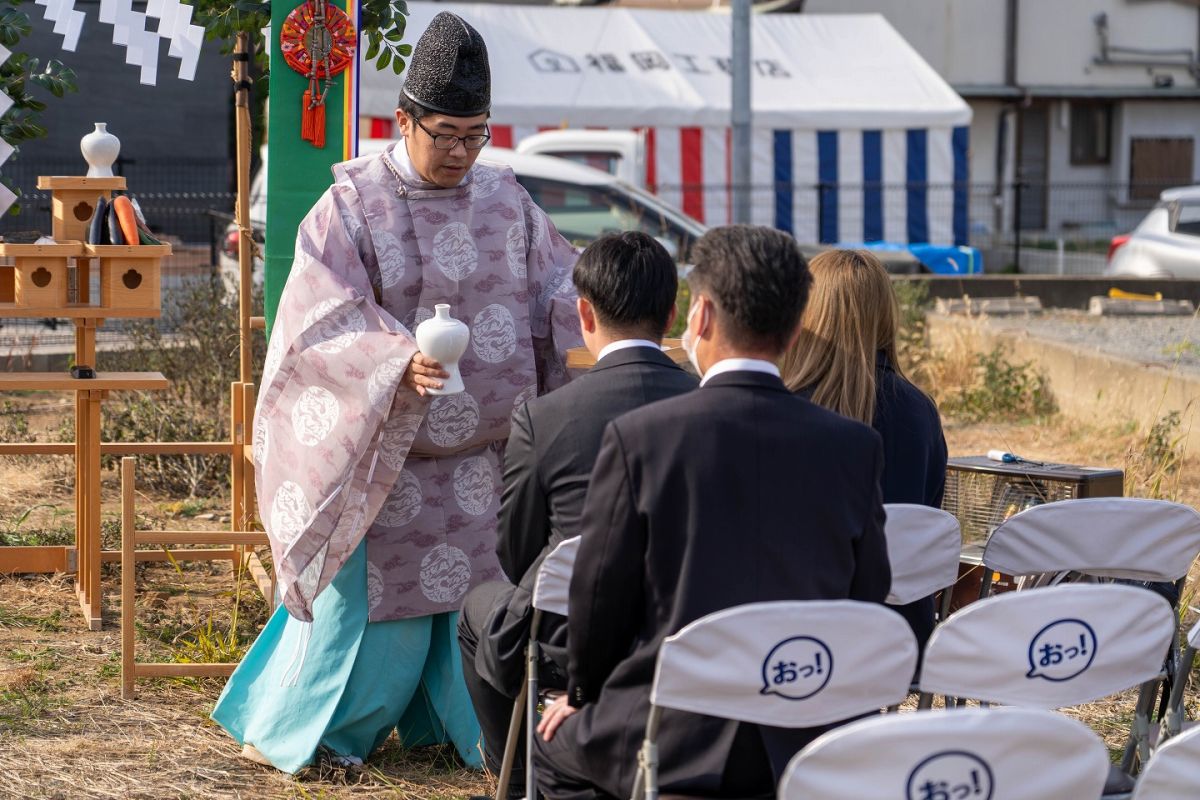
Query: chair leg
[1172, 722]
[511, 744]
[925, 701]
[531, 717]
[1137, 748]
[531, 702]
[645, 783]
[947, 597]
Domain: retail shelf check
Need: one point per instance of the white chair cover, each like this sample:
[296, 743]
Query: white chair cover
[553, 584]
[1174, 770]
[788, 664]
[1049, 648]
[1115, 537]
[972, 754]
[923, 546]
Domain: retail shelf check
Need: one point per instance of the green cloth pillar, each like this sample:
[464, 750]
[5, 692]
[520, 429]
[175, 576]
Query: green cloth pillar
[297, 172]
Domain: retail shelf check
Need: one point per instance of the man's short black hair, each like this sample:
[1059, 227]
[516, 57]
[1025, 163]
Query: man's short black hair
[410, 107]
[758, 279]
[630, 279]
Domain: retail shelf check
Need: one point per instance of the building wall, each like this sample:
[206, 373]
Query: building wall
[1057, 45]
[175, 137]
[1058, 41]
[962, 39]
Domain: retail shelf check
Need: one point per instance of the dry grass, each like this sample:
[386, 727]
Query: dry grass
[65, 732]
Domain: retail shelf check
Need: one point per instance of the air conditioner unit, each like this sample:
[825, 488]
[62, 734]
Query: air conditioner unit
[982, 493]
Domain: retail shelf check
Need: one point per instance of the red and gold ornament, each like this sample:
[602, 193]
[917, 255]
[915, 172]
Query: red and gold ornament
[318, 41]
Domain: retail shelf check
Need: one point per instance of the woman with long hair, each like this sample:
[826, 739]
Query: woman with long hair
[845, 360]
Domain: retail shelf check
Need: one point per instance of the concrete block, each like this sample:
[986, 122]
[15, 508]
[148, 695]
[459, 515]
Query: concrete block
[1109, 307]
[994, 306]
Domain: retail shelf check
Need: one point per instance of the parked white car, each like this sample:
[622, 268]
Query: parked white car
[1166, 244]
[584, 204]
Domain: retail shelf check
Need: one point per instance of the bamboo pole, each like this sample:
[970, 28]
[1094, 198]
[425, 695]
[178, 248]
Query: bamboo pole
[241, 101]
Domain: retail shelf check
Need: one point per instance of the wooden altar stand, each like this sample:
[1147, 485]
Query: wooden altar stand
[54, 281]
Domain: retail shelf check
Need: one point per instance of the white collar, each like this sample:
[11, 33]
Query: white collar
[622, 344]
[398, 155]
[739, 365]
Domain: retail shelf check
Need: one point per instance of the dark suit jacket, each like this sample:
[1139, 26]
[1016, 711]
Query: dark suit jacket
[914, 447]
[914, 462]
[551, 450]
[739, 492]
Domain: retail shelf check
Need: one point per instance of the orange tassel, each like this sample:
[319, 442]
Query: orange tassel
[306, 117]
[318, 125]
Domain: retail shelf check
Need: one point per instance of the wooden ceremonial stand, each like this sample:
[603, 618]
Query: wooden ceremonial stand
[39, 283]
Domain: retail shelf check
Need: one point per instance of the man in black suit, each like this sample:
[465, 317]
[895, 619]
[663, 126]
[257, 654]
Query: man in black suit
[739, 492]
[626, 284]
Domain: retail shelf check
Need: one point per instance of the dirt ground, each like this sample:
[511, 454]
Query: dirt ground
[66, 733]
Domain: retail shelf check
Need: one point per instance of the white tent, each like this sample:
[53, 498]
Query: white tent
[856, 137]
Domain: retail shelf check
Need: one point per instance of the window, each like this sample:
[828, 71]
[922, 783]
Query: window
[605, 162]
[583, 214]
[1157, 164]
[1091, 126]
[1186, 219]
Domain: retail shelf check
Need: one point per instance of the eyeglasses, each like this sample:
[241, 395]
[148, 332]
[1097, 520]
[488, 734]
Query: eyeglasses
[447, 141]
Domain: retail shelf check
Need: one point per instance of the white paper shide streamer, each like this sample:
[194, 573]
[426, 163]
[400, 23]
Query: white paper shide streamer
[131, 29]
[68, 22]
[7, 198]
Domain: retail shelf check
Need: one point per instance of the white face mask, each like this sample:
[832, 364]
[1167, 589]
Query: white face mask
[686, 340]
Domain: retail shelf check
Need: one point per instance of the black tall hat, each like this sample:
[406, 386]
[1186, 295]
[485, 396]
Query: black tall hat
[449, 71]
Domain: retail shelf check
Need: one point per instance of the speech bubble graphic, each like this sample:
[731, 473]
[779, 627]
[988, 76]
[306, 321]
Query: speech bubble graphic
[950, 774]
[797, 668]
[1062, 650]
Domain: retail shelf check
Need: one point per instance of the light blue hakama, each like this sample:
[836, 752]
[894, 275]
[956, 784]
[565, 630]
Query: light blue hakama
[345, 683]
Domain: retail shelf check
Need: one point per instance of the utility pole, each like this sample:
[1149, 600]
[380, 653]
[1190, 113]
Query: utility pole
[740, 107]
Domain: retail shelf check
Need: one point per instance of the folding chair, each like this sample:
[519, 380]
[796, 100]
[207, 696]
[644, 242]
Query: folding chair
[1005, 754]
[1104, 537]
[550, 593]
[1120, 538]
[791, 664]
[1174, 770]
[1050, 648]
[923, 545]
[1174, 720]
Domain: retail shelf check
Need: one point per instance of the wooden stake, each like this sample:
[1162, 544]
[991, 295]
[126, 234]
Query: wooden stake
[128, 578]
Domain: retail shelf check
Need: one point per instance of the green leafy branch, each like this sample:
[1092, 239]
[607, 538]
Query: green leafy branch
[382, 23]
[18, 75]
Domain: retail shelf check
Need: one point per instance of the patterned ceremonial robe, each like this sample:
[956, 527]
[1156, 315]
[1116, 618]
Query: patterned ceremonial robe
[342, 450]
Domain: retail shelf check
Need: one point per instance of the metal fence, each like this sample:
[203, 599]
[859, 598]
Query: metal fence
[1027, 227]
[1055, 228]
[187, 202]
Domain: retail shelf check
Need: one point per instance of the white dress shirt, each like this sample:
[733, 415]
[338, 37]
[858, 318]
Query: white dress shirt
[739, 365]
[621, 344]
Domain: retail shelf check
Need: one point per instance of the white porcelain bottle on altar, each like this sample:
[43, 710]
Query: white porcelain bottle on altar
[100, 149]
[445, 339]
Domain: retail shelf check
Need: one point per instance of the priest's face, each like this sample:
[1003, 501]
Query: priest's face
[440, 147]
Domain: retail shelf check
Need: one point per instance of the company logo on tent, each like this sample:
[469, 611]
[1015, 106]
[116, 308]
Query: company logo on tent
[551, 62]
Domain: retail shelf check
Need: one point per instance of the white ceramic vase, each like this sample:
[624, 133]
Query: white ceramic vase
[445, 339]
[100, 149]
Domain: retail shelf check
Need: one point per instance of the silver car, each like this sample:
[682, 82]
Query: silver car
[584, 204]
[1166, 244]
